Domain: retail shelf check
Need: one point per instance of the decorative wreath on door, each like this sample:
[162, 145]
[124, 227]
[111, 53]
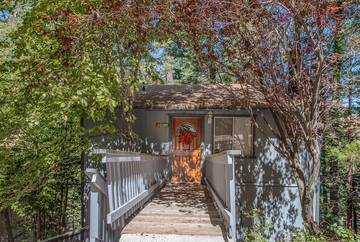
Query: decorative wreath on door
[186, 133]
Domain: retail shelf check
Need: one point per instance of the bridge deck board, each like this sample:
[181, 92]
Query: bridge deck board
[178, 209]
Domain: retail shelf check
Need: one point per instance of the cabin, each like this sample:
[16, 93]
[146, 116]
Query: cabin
[204, 168]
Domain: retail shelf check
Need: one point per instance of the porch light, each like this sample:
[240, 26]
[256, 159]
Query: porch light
[210, 115]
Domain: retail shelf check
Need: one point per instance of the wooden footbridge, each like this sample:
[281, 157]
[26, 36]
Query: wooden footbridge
[134, 200]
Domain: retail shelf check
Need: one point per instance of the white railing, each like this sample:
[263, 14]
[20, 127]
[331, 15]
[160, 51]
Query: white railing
[131, 179]
[220, 180]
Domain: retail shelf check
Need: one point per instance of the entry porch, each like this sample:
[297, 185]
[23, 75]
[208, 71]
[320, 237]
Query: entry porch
[133, 199]
[184, 124]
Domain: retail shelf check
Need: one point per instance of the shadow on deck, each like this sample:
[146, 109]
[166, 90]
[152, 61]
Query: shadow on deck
[179, 212]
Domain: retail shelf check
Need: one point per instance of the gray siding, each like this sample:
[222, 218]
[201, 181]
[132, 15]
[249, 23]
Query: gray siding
[145, 125]
[157, 139]
[265, 189]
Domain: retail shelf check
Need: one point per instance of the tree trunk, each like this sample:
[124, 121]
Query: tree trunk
[307, 207]
[350, 99]
[169, 76]
[59, 220]
[35, 228]
[307, 185]
[82, 185]
[212, 73]
[82, 198]
[8, 227]
[129, 121]
[334, 170]
[350, 202]
[350, 210]
[355, 220]
[334, 189]
[63, 222]
[38, 225]
[306, 212]
[43, 222]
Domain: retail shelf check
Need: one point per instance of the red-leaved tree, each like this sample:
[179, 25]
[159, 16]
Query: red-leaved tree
[282, 49]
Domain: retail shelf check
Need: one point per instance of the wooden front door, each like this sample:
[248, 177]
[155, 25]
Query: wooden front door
[186, 149]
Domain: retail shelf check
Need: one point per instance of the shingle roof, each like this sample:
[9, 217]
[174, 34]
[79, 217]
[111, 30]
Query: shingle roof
[193, 97]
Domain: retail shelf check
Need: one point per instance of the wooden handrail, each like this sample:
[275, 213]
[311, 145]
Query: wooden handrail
[131, 179]
[67, 235]
[220, 180]
[219, 157]
[110, 152]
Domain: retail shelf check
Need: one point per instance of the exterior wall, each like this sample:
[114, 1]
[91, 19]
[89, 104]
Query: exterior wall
[263, 183]
[160, 137]
[157, 138]
[265, 187]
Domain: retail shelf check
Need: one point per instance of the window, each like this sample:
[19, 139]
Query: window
[233, 133]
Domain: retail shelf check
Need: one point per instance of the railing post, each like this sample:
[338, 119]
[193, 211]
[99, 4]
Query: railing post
[98, 192]
[232, 196]
[94, 216]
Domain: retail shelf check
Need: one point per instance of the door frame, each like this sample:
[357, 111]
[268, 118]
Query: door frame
[186, 115]
[202, 132]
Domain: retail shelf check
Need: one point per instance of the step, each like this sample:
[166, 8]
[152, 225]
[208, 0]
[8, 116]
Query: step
[173, 228]
[177, 219]
[169, 238]
[202, 207]
[180, 212]
[174, 215]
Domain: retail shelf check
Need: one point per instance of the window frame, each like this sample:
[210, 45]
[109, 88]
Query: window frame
[252, 153]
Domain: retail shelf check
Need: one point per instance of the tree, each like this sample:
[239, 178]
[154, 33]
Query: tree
[343, 125]
[282, 49]
[65, 62]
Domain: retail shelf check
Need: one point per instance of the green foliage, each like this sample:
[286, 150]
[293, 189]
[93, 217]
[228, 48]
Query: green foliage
[183, 64]
[340, 155]
[66, 61]
[347, 154]
[61, 65]
[256, 234]
[341, 140]
[174, 62]
[333, 232]
[261, 231]
[343, 234]
[303, 235]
